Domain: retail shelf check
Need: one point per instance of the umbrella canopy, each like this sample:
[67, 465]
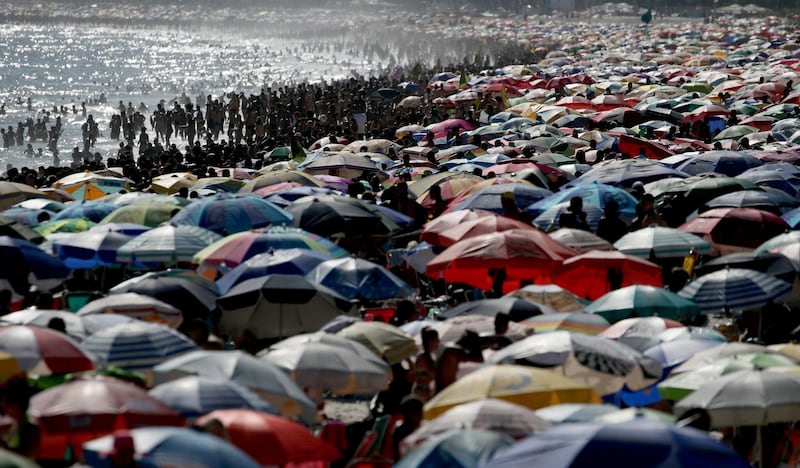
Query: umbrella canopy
[168, 184]
[12, 193]
[581, 273]
[288, 441]
[639, 327]
[32, 266]
[490, 198]
[517, 308]
[90, 186]
[386, 341]
[278, 177]
[137, 345]
[167, 244]
[623, 173]
[12, 228]
[459, 448]
[729, 163]
[194, 396]
[736, 229]
[577, 322]
[526, 386]
[49, 228]
[524, 254]
[76, 327]
[479, 226]
[644, 442]
[92, 249]
[93, 211]
[552, 296]
[330, 214]
[574, 412]
[227, 214]
[335, 368]
[171, 446]
[356, 278]
[594, 193]
[192, 297]
[489, 414]
[284, 261]
[775, 264]
[343, 164]
[41, 351]
[550, 219]
[717, 353]
[134, 305]
[279, 305]
[643, 301]
[735, 289]
[603, 364]
[151, 212]
[432, 231]
[673, 353]
[661, 242]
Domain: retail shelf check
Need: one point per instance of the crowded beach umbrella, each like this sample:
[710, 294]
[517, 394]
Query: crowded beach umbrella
[356, 278]
[277, 177]
[227, 214]
[490, 414]
[31, 266]
[718, 353]
[674, 353]
[518, 308]
[735, 132]
[170, 446]
[89, 407]
[266, 380]
[91, 249]
[284, 196]
[550, 219]
[450, 183]
[343, 164]
[775, 264]
[639, 327]
[457, 448]
[284, 261]
[633, 146]
[707, 110]
[279, 305]
[192, 297]
[137, 346]
[168, 244]
[386, 341]
[785, 239]
[551, 295]
[490, 198]
[375, 145]
[452, 329]
[219, 184]
[432, 230]
[603, 364]
[576, 322]
[522, 385]
[690, 333]
[328, 339]
[583, 274]
[729, 163]
[91, 186]
[41, 351]
[75, 327]
[661, 242]
[330, 367]
[735, 229]
[644, 443]
[324, 141]
[580, 240]
[271, 440]
[12, 193]
[328, 215]
[134, 305]
[623, 173]
[48, 228]
[167, 184]
[643, 301]
[93, 211]
[193, 396]
[735, 289]
[130, 198]
[148, 212]
[595, 193]
[698, 190]
[523, 254]
[13, 228]
[567, 413]
[766, 198]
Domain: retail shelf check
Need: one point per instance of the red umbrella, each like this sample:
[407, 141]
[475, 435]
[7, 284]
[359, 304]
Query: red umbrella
[575, 102]
[736, 229]
[480, 226]
[705, 111]
[272, 440]
[523, 254]
[41, 351]
[431, 231]
[91, 407]
[623, 115]
[606, 102]
[595, 273]
[631, 146]
[761, 122]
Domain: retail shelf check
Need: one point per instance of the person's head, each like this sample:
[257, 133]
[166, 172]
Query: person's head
[197, 330]
[508, 200]
[435, 192]
[611, 209]
[403, 313]
[470, 342]
[430, 339]
[214, 427]
[576, 204]
[401, 189]
[57, 324]
[411, 409]
[16, 395]
[648, 201]
[501, 321]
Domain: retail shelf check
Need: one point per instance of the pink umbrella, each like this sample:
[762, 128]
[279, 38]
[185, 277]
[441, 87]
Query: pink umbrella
[334, 182]
[41, 351]
[447, 125]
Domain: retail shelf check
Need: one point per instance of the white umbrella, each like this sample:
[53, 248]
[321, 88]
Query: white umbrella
[194, 396]
[716, 353]
[137, 345]
[76, 328]
[325, 338]
[138, 306]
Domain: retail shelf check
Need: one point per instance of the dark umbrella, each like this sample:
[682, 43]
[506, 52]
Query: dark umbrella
[775, 264]
[517, 308]
[193, 299]
[384, 93]
[331, 215]
[12, 228]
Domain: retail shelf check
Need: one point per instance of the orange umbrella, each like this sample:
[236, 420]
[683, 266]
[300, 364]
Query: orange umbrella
[272, 440]
[524, 255]
[592, 274]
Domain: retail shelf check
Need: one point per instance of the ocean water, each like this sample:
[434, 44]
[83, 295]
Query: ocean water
[65, 64]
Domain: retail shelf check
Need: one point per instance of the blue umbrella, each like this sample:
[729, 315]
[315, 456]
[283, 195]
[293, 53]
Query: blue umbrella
[26, 264]
[194, 396]
[490, 198]
[549, 220]
[90, 249]
[781, 176]
[357, 278]
[27, 216]
[227, 214]
[736, 289]
[641, 443]
[729, 163]
[171, 446]
[137, 345]
[792, 218]
[284, 198]
[595, 193]
[624, 172]
[91, 210]
[287, 262]
[459, 448]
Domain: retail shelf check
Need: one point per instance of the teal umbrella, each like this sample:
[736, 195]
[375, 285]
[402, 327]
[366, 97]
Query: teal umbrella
[643, 301]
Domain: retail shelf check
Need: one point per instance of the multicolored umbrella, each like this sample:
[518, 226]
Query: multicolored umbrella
[90, 186]
[273, 178]
[194, 396]
[227, 214]
[432, 230]
[12, 193]
[327, 215]
[479, 226]
[184, 292]
[31, 266]
[91, 249]
[167, 244]
[137, 345]
[518, 308]
[284, 261]
[64, 225]
[13, 228]
[551, 295]
[580, 240]
[167, 184]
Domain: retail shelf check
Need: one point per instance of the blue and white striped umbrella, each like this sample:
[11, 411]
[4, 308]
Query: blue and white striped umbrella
[227, 214]
[735, 288]
[548, 221]
[663, 242]
[194, 396]
[358, 278]
[137, 345]
[167, 244]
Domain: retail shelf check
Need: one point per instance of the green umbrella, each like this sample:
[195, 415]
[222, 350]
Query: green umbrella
[150, 213]
[697, 87]
[64, 225]
[744, 109]
[780, 111]
[735, 132]
[643, 301]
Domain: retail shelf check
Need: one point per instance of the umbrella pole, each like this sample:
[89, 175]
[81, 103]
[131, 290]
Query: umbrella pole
[759, 447]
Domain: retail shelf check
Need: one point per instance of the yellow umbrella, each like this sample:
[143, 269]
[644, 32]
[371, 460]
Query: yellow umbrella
[8, 366]
[168, 184]
[527, 386]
